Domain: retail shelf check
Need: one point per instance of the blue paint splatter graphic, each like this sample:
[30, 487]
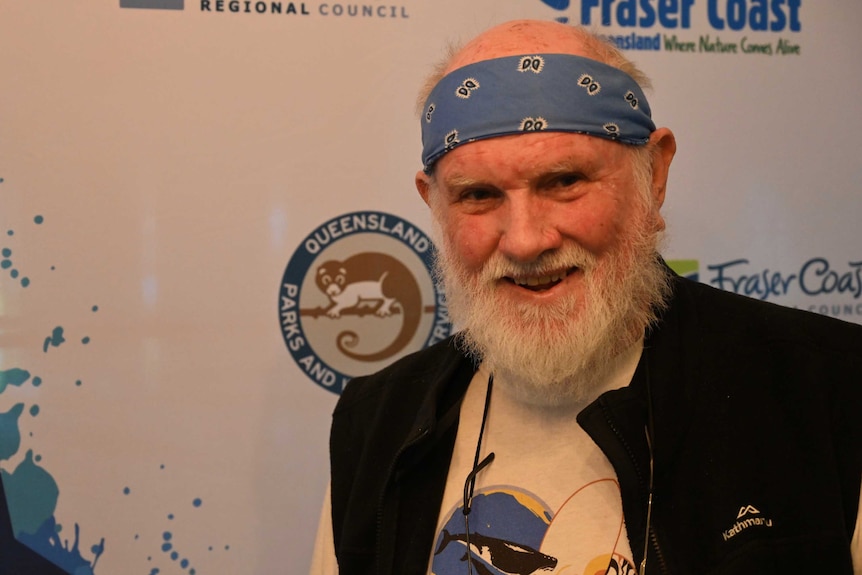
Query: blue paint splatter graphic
[168, 547]
[14, 376]
[54, 340]
[32, 493]
[10, 435]
[6, 263]
[32, 496]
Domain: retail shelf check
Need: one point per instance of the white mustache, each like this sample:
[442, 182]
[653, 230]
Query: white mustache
[547, 268]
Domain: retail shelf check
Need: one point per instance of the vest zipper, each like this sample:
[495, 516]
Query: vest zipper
[662, 562]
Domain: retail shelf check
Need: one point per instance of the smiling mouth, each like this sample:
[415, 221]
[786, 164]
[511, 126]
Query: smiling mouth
[543, 282]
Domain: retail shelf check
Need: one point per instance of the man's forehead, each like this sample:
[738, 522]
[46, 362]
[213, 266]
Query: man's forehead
[529, 156]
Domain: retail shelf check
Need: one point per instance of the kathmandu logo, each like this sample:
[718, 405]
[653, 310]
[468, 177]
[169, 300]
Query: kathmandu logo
[153, 4]
[748, 509]
[357, 294]
[748, 516]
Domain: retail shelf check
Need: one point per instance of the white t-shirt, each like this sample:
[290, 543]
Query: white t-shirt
[548, 502]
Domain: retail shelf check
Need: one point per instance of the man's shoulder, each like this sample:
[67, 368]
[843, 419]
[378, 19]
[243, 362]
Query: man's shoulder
[732, 315]
[413, 376]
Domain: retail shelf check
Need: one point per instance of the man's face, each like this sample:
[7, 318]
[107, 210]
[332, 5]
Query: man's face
[522, 197]
[547, 239]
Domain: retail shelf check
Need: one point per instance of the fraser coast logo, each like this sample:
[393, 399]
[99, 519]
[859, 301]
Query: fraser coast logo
[686, 268]
[759, 27]
[357, 294]
[828, 287]
[748, 516]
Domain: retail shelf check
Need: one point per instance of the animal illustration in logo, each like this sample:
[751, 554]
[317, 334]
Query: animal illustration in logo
[371, 282]
[505, 556]
[517, 534]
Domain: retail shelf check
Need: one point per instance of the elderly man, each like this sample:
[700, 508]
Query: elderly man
[596, 413]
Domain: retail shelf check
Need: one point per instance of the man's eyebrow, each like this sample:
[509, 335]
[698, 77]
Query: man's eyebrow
[462, 181]
[565, 166]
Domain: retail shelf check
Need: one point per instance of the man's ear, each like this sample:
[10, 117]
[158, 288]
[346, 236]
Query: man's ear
[663, 144]
[423, 185]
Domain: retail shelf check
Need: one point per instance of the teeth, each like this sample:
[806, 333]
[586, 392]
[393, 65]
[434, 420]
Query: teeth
[536, 281]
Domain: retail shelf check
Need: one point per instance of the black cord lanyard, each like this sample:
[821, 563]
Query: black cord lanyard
[478, 466]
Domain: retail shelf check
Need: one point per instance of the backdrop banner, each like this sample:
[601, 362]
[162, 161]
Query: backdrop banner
[208, 226]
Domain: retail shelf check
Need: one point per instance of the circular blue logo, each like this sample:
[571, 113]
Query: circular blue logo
[357, 294]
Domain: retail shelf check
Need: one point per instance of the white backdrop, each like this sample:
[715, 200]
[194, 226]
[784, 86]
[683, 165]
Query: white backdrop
[159, 169]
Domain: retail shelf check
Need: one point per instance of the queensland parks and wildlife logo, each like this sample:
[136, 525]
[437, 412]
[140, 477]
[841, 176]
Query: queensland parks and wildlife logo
[357, 294]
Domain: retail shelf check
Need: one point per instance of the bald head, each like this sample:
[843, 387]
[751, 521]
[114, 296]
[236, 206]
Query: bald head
[525, 36]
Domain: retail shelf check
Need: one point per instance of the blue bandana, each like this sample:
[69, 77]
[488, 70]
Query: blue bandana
[544, 92]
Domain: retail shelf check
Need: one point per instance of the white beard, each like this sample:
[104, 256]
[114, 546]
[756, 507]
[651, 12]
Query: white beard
[555, 354]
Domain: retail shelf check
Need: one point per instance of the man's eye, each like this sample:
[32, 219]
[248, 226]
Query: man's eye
[566, 180]
[476, 195]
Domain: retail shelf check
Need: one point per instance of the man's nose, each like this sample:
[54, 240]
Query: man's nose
[528, 230]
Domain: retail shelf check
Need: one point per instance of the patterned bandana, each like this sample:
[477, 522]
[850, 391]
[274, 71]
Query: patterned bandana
[517, 94]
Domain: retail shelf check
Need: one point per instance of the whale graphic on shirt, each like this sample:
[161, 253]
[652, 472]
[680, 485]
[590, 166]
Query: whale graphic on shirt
[507, 557]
